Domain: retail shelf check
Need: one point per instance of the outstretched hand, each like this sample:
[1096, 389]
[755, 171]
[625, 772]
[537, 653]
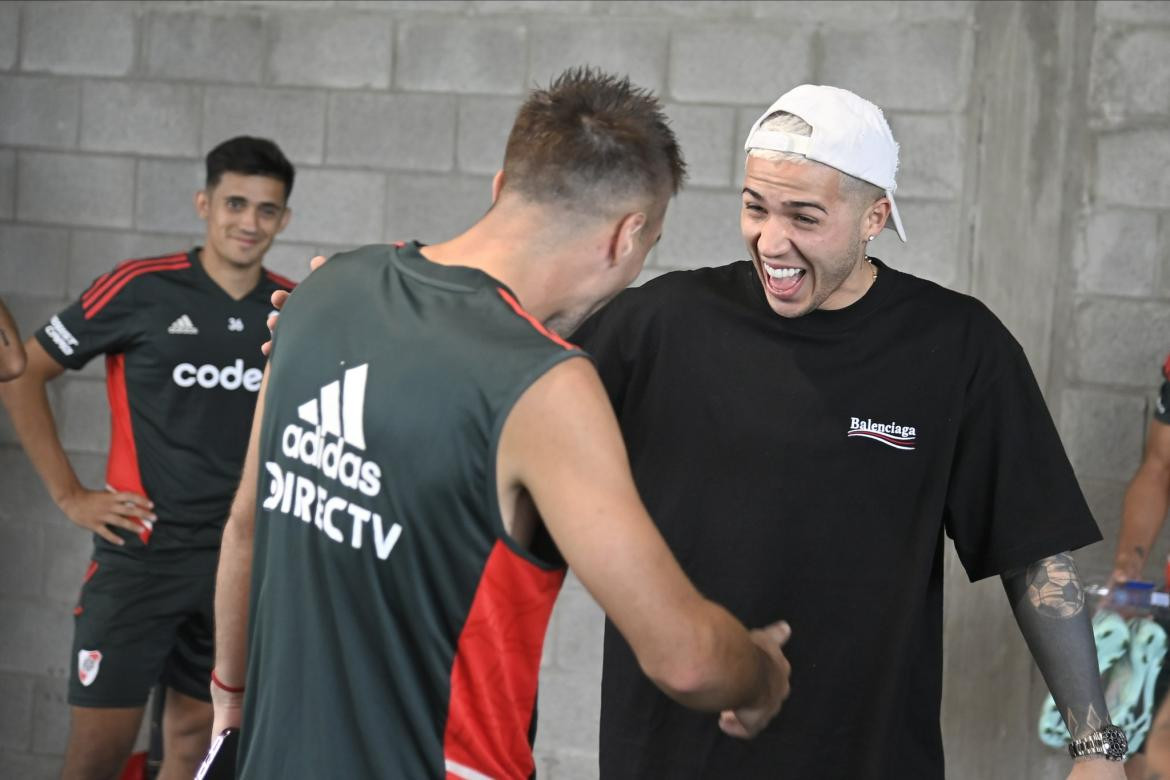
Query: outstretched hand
[278, 299]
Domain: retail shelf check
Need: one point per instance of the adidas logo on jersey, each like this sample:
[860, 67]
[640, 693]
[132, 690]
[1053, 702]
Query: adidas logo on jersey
[336, 417]
[183, 327]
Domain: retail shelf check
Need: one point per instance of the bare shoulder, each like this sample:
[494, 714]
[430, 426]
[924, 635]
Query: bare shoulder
[564, 416]
[571, 380]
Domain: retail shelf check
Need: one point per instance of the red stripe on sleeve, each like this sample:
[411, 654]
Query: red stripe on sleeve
[122, 465]
[493, 679]
[99, 302]
[105, 280]
[283, 281]
[516, 307]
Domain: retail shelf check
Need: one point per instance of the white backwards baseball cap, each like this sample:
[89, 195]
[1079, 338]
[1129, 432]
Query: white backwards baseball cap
[848, 133]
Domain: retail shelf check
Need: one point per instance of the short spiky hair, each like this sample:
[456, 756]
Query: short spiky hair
[251, 157]
[593, 142]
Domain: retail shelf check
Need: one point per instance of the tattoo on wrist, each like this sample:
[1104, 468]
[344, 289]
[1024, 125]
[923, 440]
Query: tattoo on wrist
[1054, 588]
[4, 337]
[1088, 723]
[1140, 551]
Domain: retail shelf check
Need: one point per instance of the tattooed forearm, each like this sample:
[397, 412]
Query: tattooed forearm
[1086, 723]
[1049, 603]
[1054, 588]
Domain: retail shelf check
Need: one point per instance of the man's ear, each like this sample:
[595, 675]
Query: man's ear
[202, 203]
[497, 184]
[875, 218]
[626, 235]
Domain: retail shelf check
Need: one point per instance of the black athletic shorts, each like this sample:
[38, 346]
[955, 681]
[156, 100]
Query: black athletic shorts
[134, 628]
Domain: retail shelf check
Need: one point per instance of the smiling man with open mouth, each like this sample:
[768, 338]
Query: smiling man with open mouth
[805, 426]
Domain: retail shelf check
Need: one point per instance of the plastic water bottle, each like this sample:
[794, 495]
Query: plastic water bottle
[1134, 594]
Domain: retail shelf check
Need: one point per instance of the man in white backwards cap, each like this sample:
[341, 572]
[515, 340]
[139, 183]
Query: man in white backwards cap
[804, 426]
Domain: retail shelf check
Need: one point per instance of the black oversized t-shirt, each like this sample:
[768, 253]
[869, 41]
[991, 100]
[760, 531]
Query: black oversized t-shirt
[807, 469]
[183, 366]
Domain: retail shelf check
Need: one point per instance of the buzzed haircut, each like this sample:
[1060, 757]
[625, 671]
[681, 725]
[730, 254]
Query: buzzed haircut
[250, 156]
[592, 141]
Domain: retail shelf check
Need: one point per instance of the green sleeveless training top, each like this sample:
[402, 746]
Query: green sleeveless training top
[395, 630]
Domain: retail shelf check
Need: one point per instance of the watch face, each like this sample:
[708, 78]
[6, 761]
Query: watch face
[1115, 743]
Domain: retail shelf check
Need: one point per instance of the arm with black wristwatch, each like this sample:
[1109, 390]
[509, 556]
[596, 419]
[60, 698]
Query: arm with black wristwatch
[1048, 600]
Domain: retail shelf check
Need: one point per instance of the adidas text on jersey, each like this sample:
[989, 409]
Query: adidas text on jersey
[336, 418]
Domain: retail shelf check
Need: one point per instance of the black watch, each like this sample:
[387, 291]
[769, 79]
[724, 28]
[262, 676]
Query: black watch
[1109, 743]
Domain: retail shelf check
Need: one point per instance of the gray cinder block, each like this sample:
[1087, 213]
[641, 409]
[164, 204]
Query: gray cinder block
[1120, 342]
[293, 118]
[35, 640]
[75, 189]
[720, 63]
[205, 45]
[9, 34]
[91, 39]
[924, 67]
[388, 132]
[84, 422]
[337, 207]
[433, 208]
[1131, 72]
[16, 700]
[33, 260]
[1120, 253]
[462, 56]
[39, 111]
[141, 117]
[1102, 432]
[702, 229]
[1133, 168]
[166, 196]
[708, 137]
[484, 125]
[331, 49]
[930, 160]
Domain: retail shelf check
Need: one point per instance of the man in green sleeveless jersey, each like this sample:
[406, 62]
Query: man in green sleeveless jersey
[427, 455]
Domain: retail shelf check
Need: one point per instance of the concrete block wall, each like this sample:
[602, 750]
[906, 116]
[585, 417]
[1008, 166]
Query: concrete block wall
[1115, 334]
[395, 114]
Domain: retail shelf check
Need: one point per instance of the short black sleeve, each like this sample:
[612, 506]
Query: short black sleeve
[100, 321]
[1013, 497]
[1162, 406]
